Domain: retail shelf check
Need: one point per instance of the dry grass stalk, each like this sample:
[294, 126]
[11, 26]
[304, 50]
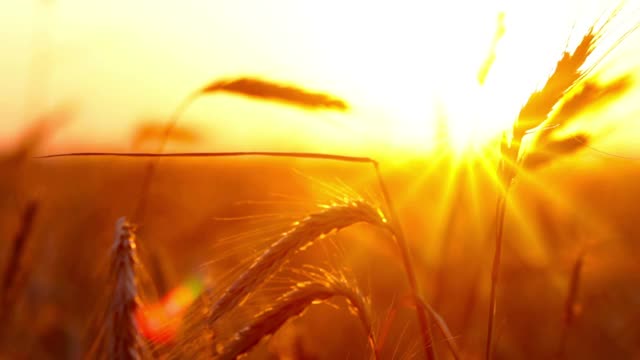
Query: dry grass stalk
[398, 234]
[302, 234]
[290, 305]
[443, 327]
[122, 337]
[385, 328]
[570, 303]
[14, 260]
[532, 115]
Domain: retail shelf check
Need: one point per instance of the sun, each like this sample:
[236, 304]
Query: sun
[412, 64]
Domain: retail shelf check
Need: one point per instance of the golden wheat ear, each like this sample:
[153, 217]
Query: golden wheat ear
[589, 96]
[547, 146]
[301, 234]
[290, 305]
[268, 90]
[550, 150]
[122, 338]
[565, 76]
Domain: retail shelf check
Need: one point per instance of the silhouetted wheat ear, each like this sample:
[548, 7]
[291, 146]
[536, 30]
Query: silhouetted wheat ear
[547, 145]
[566, 74]
[122, 337]
[549, 150]
[302, 233]
[268, 90]
[290, 305]
[589, 95]
[540, 105]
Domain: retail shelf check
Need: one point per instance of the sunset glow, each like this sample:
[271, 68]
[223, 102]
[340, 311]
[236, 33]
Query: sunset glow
[400, 65]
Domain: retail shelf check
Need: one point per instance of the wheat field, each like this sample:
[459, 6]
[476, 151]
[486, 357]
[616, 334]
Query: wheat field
[524, 248]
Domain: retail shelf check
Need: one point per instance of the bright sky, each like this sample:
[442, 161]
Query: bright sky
[401, 64]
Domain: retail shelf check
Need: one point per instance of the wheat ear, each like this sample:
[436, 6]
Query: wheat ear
[546, 147]
[122, 336]
[288, 306]
[302, 233]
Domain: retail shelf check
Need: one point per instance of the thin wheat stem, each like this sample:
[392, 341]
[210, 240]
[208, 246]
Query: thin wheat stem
[423, 321]
[443, 327]
[150, 170]
[501, 208]
[570, 304]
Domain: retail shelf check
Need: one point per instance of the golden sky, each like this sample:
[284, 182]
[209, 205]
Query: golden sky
[400, 64]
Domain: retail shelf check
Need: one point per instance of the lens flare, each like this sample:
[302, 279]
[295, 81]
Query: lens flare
[160, 322]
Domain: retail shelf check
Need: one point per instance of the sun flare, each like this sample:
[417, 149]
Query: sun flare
[419, 74]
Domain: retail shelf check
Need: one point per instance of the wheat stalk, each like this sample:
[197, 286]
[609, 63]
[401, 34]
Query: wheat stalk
[401, 241]
[288, 306]
[443, 327]
[532, 115]
[303, 233]
[122, 336]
